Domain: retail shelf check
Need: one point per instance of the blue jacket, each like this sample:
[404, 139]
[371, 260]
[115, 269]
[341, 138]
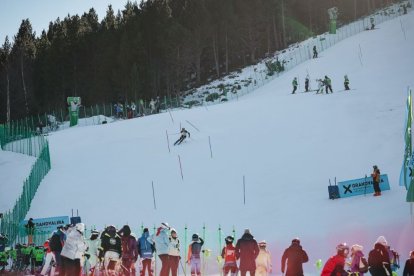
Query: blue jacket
[145, 247]
[162, 241]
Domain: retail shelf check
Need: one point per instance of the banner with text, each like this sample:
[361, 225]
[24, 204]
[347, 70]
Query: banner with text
[361, 186]
[45, 225]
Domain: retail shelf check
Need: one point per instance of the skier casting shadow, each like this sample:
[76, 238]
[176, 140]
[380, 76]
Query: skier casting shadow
[184, 133]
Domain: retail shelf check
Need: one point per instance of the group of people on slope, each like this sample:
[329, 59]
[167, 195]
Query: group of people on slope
[322, 83]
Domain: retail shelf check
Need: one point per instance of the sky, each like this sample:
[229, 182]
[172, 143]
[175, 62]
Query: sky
[41, 12]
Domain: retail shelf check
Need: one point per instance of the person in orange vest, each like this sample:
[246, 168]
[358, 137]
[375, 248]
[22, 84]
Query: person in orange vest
[194, 254]
[376, 177]
[229, 255]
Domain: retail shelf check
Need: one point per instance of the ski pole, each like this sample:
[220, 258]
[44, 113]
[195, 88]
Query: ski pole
[182, 267]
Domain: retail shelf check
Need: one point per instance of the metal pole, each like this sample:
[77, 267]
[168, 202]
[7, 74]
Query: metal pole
[153, 195]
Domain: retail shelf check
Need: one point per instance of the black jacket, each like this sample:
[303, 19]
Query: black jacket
[247, 251]
[295, 256]
[409, 268]
[379, 261]
[110, 243]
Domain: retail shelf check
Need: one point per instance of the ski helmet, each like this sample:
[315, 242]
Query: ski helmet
[173, 231]
[80, 227]
[342, 249]
[229, 240]
[195, 237]
[296, 241]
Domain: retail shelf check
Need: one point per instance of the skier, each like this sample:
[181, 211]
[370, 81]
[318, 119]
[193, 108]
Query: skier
[379, 259]
[133, 108]
[152, 106]
[145, 250]
[328, 84]
[30, 229]
[335, 265]
[295, 85]
[376, 177]
[73, 251]
[174, 252]
[295, 256]
[129, 250]
[315, 52]
[162, 242]
[346, 82]
[184, 133]
[38, 255]
[263, 260]
[91, 254]
[307, 83]
[372, 23]
[229, 255]
[409, 265]
[320, 86]
[111, 248]
[56, 244]
[247, 251]
[194, 254]
[357, 258]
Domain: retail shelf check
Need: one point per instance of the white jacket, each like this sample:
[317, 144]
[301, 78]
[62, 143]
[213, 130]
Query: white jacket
[174, 247]
[264, 260]
[74, 246]
[93, 246]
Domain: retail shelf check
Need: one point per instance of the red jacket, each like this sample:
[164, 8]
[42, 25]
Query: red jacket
[46, 246]
[229, 253]
[332, 264]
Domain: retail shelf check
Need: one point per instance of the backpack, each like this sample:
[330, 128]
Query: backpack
[363, 265]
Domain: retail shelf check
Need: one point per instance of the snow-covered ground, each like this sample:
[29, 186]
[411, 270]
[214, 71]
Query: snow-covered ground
[287, 147]
[14, 169]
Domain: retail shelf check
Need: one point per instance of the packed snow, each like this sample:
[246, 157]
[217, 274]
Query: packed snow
[286, 147]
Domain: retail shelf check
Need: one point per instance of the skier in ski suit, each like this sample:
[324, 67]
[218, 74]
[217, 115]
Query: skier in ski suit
[229, 255]
[111, 248]
[194, 254]
[356, 256]
[152, 106]
[184, 133]
[129, 250]
[56, 244]
[295, 257]
[295, 85]
[162, 242]
[335, 265]
[263, 260]
[372, 20]
[320, 86]
[328, 84]
[247, 251]
[49, 260]
[73, 250]
[146, 249]
[91, 254]
[174, 252]
[379, 259]
[376, 178]
[307, 83]
[409, 265]
[315, 52]
[346, 82]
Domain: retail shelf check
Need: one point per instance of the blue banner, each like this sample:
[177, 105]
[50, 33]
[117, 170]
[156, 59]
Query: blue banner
[361, 186]
[45, 225]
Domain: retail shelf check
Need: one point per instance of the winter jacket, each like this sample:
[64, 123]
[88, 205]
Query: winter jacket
[92, 251]
[47, 246]
[328, 81]
[334, 266]
[264, 260]
[145, 246]
[295, 256]
[162, 241]
[57, 241]
[379, 261]
[376, 176]
[129, 248]
[229, 253]
[38, 254]
[74, 246]
[409, 268]
[194, 249]
[174, 247]
[356, 259]
[247, 251]
[111, 243]
[295, 82]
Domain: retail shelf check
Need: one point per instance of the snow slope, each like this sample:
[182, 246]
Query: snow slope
[14, 169]
[287, 147]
